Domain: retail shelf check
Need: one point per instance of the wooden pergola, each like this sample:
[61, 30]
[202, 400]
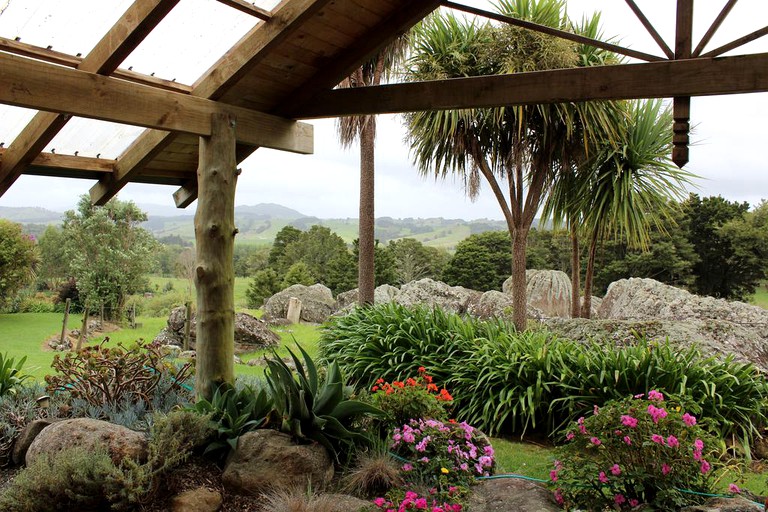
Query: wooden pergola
[283, 70]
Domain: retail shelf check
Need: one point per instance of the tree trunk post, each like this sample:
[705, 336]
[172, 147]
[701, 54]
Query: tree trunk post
[187, 324]
[586, 308]
[101, 315]
[519, 298]
[366, 238]
[575, 274]
[83, 330]
[67, 305]
[214, 269]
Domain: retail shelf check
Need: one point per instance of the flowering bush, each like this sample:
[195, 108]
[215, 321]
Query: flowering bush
[412, 501]
[443, 454]
[413, 398]
[632, 451]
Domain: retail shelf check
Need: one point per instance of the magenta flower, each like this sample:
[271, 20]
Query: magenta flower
[656, 438]
[553, 475]
[569, 436]
[657, 413]
[628, 421]
[407, 466]
[665, 469]
[628, 440]
[655, 395]
[595, 410]
[559, 497]
[379, 502]
[603, 479]
[619, 499]
[705, 467]
[633, 502]
[595, 441]
[615, 470]
[733, 488]
[689, 420]
[698, 444]
[672, 442]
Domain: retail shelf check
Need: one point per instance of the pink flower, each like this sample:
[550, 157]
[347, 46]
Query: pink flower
[582, 428]
[733, 488]
[407, 466]
[672, 442]
[655, 395]
[656, 413]
[595, 441]
[698, 444]
[665, 469]
[553, 475]
[616, 470]
[689, 420]
[569, 436]
[633, 503]
[619, 499]
[656, 438]
[628, 440]
[705, 467]
[628, 421]
[559, 497]
[379, 502]
[603, 479]
[421, 503]
[595, 410]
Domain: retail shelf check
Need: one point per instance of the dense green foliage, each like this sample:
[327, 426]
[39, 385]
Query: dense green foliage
[107, 251]
[481, 262]
[505, 381]
[265, 283]
[18, 257]
[11, 375]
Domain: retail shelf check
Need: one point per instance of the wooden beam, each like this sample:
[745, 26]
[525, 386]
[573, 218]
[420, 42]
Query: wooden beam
[692, 77]
[67, 166]
[651, 29]
[214, 268]
[213, 84]
[186, 194]
[738, 42]
[714, 27]
[252, 9]
[33, 84]
[137, 22]
[570, 36]
[681, 105]
[72, 61]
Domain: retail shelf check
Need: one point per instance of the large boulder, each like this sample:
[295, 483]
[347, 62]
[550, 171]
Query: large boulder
[317, 303]
[430, 293]
[504, 495]
[118, 441]
[546, 290]
[735, 504]
[250, 332]
[495, 304]
[381, 295]
[266, 459]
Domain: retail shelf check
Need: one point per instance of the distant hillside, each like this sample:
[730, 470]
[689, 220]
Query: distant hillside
[258, 224]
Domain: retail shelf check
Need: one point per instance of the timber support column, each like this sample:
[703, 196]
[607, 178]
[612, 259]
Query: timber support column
[214, 268]
[681, 106]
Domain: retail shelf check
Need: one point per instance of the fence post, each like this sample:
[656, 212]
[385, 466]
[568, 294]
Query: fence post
[187, 324]
[83, 330]
[66, 319]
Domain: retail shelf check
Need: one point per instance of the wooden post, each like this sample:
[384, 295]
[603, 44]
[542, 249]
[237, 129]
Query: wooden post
[214, 270]
[101, 315]
[67, 305]
[187, 324]
[681, 106]
[83, 330]
[133, 316]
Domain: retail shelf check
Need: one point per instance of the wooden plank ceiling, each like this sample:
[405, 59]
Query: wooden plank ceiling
[288, 65]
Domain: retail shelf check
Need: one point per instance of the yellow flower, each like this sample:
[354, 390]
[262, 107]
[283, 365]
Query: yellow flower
[444, 471]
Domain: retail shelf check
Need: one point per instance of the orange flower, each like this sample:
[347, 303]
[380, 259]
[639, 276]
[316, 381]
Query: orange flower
[444, 395]
[398, 384]
[375, 388]
[422, 369]
[379, 381]
[431, 387]
[411, 382]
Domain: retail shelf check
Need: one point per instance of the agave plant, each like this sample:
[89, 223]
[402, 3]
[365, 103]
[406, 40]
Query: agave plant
[10, 374]
[310, 410]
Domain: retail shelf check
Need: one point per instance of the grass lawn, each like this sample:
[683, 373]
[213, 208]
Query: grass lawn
[760, 298]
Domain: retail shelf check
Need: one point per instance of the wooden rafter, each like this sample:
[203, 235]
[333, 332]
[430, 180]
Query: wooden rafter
[714, 27]
[247, 8]
[695, 77]
[42, 86]
[738, 42]
[137, 22]
[212, 85]
[553, 32]
[72, 61]
[651, 29]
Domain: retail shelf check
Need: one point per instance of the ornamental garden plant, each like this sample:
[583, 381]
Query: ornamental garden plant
[638, 450]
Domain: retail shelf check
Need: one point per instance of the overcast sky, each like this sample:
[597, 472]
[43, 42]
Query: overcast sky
[729, 136]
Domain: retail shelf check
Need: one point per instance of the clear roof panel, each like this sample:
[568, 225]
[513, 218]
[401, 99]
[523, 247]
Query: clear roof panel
[92, 138]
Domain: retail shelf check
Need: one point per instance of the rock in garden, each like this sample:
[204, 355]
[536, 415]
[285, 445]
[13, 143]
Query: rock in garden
[317, 303]
[250, 332]
[28, 434]
[430, 293]
[381, 295]
[505, 495]
[197, 500]
[171, 351]
[346, 503]
[266, 459]
[737, 504]
[546, 290]
[495, 304]
[118, 441]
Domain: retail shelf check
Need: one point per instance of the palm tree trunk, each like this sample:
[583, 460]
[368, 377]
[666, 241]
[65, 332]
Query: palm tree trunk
[366, 269]
[519, 300]
[575, 273]
[586, 308]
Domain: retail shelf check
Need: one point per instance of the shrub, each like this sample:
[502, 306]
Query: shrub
[265, 283]
[11, 376]
[413, 398]
[298, 500]
[632, 451]
[101, 375]
[374, 475]
[161, 305]
[73, 479]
